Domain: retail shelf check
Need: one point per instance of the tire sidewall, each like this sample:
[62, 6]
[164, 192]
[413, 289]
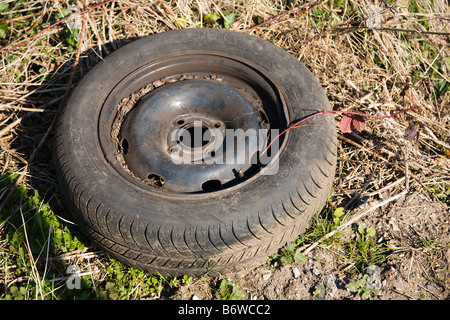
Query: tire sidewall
[79, 134]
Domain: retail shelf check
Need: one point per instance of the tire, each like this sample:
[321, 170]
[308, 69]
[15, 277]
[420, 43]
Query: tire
[232, 226]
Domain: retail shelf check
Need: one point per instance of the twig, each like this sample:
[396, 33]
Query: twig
[31, 111]
[390, 153]
[34, 270]
[354, 219]
[374, 154]
[13, 153]
[22, 109]
[406, 170]
[10, 126]
[357, 195]
[396, 29]
[410, 266]
[54, 25]
[308, 5]
[50, 128]
[389, 186]
[339, 26]
[167, 8]
[403, 293]
[436, 296]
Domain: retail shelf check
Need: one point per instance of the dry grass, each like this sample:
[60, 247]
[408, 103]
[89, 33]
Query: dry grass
[363, 64]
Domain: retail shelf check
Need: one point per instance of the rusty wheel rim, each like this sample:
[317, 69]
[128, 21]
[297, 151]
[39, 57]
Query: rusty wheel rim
[148, 118]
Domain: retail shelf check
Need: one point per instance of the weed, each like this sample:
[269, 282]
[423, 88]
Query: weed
[441, 87]
[325, 222]
[367, 284]
[16, 293]
[186, 279]
[440, 189]
[228, 291]
[31, 232]
[365, 250]
[27, 244]
[427, 241]
[287, 255]
[225, 18]
[338, 215]
[130, 283]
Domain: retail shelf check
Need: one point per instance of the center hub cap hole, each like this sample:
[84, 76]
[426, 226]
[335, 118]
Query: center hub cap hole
[195, 137]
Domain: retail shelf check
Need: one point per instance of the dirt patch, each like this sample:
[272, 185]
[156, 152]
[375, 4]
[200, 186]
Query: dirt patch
[418, 268]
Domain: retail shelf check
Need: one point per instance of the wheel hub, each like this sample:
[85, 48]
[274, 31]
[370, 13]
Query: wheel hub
[191, 123]
[183, 135]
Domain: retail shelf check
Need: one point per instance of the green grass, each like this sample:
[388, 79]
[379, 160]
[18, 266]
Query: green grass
[35, 233]
[365, 250]
[358, 248]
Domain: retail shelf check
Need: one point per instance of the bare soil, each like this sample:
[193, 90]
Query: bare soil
[416, 273]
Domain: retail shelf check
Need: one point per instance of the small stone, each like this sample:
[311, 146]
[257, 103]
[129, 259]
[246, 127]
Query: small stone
[329, 283]
[395, 227]
[296, 273]
[267, 276]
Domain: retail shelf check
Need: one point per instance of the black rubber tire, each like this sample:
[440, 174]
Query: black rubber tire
[190, 236]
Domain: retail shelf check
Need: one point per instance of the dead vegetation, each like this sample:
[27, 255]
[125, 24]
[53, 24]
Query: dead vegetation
[374, 57]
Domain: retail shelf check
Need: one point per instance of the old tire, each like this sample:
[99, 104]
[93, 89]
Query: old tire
[238, 224]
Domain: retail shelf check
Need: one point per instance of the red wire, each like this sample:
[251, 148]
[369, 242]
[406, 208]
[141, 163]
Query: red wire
[394, 116]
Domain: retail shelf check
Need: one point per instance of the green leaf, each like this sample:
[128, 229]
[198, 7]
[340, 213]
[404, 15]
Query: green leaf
[362, 282]
[290, 247]
[361, 228]
[4, 7]
[63, 13]
[155, 280]
[109, 285]
[299, 257]
[371, 269]
[3, 30]
[211, 18]
[113, 296]
[370, 232]
[366, 293]
[230, 18]
[228, 291]
[285, 260]
[352, 286]
[236, 294]
[339, 212]
[440, 87]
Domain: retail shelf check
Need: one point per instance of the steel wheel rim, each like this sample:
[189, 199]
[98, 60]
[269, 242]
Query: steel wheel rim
[214, 93]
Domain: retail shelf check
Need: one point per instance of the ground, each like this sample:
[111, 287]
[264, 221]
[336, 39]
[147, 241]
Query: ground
[419, 273]
[384, 231]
